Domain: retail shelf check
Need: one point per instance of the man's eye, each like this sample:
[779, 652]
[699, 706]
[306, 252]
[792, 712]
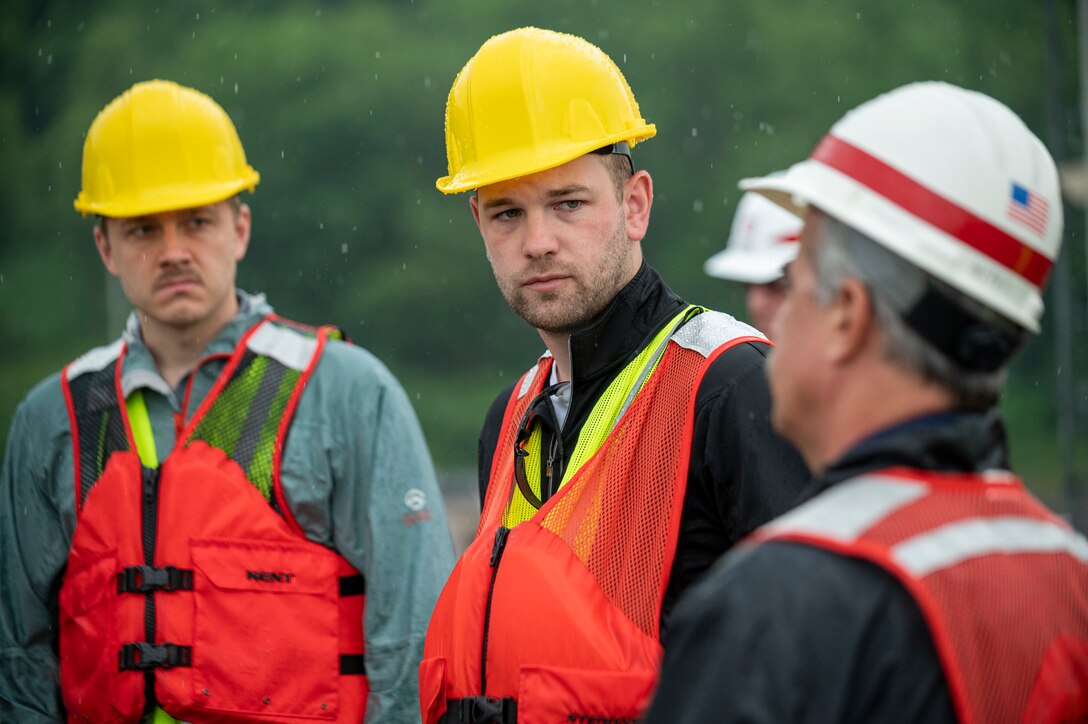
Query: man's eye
[570, 204]
[508, 214]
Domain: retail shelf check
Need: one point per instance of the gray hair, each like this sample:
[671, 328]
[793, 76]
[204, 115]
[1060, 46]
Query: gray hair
[895, 286]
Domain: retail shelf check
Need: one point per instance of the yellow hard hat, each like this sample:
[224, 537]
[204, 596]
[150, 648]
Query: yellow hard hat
[530, 100]
[158, 147]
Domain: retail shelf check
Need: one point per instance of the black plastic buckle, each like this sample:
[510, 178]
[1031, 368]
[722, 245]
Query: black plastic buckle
[142, 656]
[483, 710]
[144, 579]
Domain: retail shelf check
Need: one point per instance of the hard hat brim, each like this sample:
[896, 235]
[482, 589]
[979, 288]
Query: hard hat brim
[751, 267]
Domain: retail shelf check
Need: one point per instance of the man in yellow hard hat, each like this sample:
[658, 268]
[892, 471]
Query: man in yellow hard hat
[921, 581]
[638, 447]
[223, 514]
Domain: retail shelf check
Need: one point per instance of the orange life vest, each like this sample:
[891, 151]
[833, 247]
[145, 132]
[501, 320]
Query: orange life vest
[557, 619]
[191, 585]
[1001, 581]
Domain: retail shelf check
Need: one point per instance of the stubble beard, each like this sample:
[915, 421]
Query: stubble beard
[572, 309]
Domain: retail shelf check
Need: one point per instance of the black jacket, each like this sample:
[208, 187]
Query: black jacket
[789, 632]
[742, 474]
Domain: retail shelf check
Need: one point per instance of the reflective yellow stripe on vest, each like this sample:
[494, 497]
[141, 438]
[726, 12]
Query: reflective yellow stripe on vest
[149, 458]
[601, 421]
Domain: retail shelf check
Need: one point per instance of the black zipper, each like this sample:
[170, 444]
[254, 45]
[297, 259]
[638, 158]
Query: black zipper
[496, 553]
[150, 516]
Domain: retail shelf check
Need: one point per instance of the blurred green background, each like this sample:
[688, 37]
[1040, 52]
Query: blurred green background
[340, 107]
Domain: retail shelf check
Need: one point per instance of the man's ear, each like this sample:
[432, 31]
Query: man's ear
[850, 321]
[102, 243]
[243, 225]
[474, 202]
[638, 197]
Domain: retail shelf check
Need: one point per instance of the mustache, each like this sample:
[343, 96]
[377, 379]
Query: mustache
[176, 275]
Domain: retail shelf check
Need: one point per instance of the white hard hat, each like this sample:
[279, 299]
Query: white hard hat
[762, 240]
[949, 179]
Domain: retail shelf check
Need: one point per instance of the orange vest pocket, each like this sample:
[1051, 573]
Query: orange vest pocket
[265, 629]
[553, 694]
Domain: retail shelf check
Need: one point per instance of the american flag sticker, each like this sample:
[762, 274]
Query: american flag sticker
[1028, 209]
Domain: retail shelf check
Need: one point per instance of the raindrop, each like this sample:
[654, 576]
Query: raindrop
[344, 248]
[694, 132]
[858, 16]
[403, 266]
[236, 84]
[317, 13]
[198, 16]
[378, 54]
[321, 226]
[281, 153]
[697, 206]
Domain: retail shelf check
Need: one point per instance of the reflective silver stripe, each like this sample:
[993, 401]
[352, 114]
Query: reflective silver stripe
[710, 330]
[97, 359]
[956, 542]
[286, 346]
[528, 381]
[846, 511]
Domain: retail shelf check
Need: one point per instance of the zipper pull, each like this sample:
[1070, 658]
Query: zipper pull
[150, 478]
[500, 543]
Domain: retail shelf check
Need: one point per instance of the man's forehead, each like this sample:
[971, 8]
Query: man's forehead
[173, 213]
[581, 175]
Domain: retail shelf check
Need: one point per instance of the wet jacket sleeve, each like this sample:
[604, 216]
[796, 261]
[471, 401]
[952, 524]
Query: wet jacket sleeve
[359, 458]
[35, 527]
[789, 633]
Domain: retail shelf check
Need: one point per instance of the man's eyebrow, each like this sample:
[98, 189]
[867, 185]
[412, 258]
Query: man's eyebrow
[501, 201]
[568, 190]
[552, 194]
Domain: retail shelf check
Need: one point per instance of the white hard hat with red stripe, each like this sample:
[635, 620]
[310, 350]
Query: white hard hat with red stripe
[949, 179]
[762, 241]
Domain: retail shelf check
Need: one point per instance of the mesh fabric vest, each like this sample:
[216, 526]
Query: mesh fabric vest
[191, 584]
[1001, 581]
[557, 619]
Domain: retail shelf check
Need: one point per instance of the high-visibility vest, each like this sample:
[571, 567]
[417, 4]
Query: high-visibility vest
[1001, 581]
[191, 585]
[557, 618]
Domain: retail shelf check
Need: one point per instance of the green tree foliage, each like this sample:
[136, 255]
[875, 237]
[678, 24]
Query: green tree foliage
[340, 108]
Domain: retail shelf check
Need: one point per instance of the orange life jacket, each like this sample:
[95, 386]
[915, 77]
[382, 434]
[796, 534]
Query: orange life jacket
[557, 619]
[1001, 581]
[191, 585]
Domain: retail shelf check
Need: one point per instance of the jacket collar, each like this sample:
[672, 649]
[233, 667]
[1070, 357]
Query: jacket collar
[621, 330]
[955, 441]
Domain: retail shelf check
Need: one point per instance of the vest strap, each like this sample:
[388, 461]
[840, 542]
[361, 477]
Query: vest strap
[353, 585]
[145, 579]
[481, 710]
[352, 665]
[143, 656]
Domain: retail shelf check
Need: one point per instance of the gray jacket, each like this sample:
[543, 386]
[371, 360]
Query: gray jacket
[356, 475]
